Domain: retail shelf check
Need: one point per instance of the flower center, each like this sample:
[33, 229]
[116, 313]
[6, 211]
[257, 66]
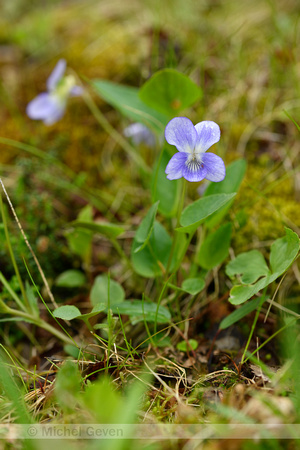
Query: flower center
[194, 162]
[64, 87]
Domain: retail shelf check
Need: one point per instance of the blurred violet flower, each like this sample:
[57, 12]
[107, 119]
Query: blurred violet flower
[202, 187]
[140, 134]
[192, 162]
[50, 106]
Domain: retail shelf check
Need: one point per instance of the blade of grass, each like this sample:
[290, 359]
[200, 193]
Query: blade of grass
[29, 246]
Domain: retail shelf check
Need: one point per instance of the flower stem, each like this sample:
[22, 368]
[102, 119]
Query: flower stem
[253, 325]
[121, 252]
[109, 129]
[175, 238]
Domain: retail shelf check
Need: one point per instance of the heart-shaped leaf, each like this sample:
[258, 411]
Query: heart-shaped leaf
[103, 287]
[71, 279]
[169, 92]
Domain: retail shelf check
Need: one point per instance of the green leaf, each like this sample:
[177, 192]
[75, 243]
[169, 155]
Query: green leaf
[67, 312]
[178, 253]
[284, 251]
[110, 230]
[80, 240]
[195, 214]
[164, 190]
[148, 261]
[193, 285]
[100, 307]
[67, 386]
[142, 311]
[239, 313]
[126, 99]
[215, 248]
[70, 279]
[86, 214]
[251, 265]
[99, 292]
[240, 294]
[99, 393]
[145, 229]
[72, 350]
[235, 173]
[169, 92]
[184, 347]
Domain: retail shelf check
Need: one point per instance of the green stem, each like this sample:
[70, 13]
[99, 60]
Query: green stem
[109, 129]
[156, 174]
[88, 325]
[175, 238]
[109, 322]
[145, 323]
[271, 337]
[39, 153]
[42, 324]
[254, 325]
[12, 256]
[159, 300]
[121, 252]
[12, 292]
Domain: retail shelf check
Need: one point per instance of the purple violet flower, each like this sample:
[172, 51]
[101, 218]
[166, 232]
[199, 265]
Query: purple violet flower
[191, 141]
[50, 106]
[139, 134]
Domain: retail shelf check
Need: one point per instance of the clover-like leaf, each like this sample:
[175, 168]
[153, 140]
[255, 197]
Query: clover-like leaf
[193, 285]
[251, 265]
[67, 312]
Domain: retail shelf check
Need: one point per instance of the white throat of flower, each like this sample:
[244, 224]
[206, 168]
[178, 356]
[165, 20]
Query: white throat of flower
[62, 90]
[194, 161]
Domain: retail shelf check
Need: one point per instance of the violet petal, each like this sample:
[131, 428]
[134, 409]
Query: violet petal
[176, 165]
[56, 74]
[76, 91]
[214, 166]
[192, 175]
[181, 132]
[41, 107]
[208, 134]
